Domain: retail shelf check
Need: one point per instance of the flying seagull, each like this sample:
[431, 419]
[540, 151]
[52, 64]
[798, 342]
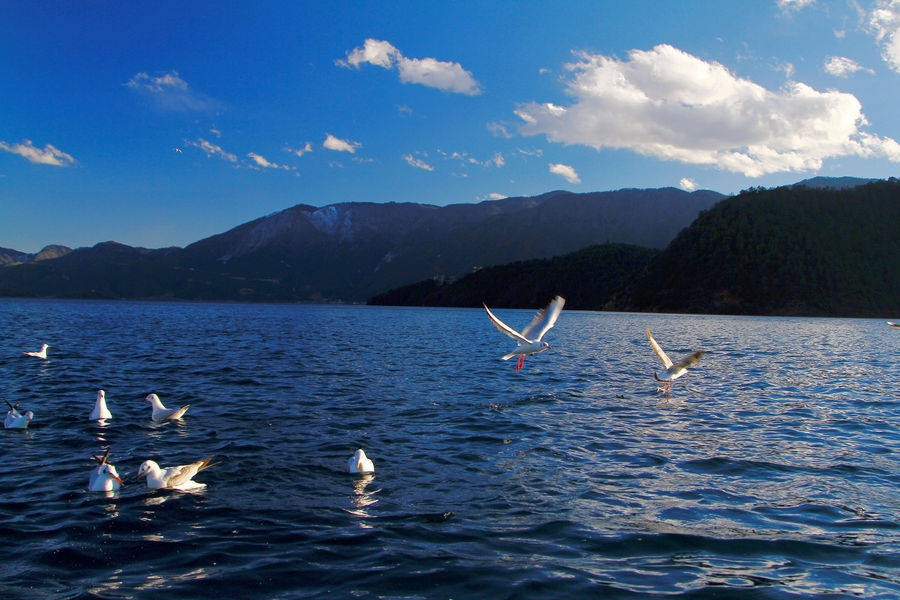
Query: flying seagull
[892, 324]
[673, 370]
[529, 341]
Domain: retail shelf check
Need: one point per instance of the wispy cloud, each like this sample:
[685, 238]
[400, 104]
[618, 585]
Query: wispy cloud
[170, 92]
[674, 106]
[789, 5]
[304, 150]
[565, 171]
[339, 145]
[499, 130]
[48, 155]
[260, 161]
[212, 149]
[443, 75]
[417, 162]
[840, 66]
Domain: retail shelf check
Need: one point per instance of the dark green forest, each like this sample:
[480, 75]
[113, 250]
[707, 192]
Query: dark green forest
[783, 251]
[585, 278]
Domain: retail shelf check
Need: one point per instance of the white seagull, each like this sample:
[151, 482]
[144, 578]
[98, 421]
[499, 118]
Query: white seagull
[673, 370]
[892, 324]
[16, 420]
[161, 413]
[173, 478]
[42, 353]
[104, 478]
[100, 411]
[360, 463]
[529, 341]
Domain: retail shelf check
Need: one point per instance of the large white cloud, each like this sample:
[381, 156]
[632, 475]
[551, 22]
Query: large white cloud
[443, 75]
[674, 106]
[49, 155]
[884, 22]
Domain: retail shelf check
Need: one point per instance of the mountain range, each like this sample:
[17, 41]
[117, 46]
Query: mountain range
[348, 252]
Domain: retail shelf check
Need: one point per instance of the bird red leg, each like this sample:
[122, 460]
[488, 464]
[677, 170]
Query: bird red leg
[521, 362]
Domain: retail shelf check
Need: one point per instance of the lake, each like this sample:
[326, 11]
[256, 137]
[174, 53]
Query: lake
[771, 471]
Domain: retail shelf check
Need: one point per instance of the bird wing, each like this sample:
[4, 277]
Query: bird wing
[506, 328]
[687, 361]
[892, 324]
[659, 351]
[544, 320]
[182, 474]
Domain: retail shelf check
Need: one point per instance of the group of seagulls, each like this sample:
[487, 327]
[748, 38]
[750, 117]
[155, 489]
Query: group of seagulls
[105, 477]
[530, 341]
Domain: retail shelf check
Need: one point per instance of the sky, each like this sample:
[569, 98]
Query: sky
[161, 123]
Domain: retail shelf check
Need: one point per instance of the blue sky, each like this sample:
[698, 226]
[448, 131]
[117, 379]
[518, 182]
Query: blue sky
[161, 123]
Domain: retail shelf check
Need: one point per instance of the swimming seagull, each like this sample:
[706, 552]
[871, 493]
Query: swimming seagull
[673, 370]
[529, 341]
[173, 478]
[104, 478]
[161, 413]
[360, 463]
[100, 411]
[16, 420]
[892, 324]
[42, 353]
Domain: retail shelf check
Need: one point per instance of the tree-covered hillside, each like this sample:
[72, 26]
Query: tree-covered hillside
[789, 251]
[585, 278]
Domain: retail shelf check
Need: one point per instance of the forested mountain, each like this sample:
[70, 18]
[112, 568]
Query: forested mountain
[585, 278]
[10, 257]
[350, 251]
[787, 251]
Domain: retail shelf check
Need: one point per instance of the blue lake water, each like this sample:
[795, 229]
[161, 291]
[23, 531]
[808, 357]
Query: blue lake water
[772, 470]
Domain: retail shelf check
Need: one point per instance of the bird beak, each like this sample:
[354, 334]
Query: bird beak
[119, 480]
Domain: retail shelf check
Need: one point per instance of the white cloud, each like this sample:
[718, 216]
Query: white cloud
[301, 151]
[496, 196]
[339, 145]
[49, 155]
[447, 76]
[884, 23]
[840, 66]
[793, 4]
[261, 161]
[497, 160]
[565, 171]
[171, 92]
[417, 163]
[213, 150]
[687, 184]
[499, 130]
[671, 105]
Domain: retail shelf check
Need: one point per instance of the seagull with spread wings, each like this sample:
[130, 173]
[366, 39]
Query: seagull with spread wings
[529, 341]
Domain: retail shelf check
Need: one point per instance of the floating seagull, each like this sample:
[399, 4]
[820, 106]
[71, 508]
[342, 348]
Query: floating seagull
[673, 370]
[16, 420]
[42, 353]
[892, 324]
[173, 478]
[360, 463]
[161, 413]
[529, 341]
[100, 411]
[104, 478]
